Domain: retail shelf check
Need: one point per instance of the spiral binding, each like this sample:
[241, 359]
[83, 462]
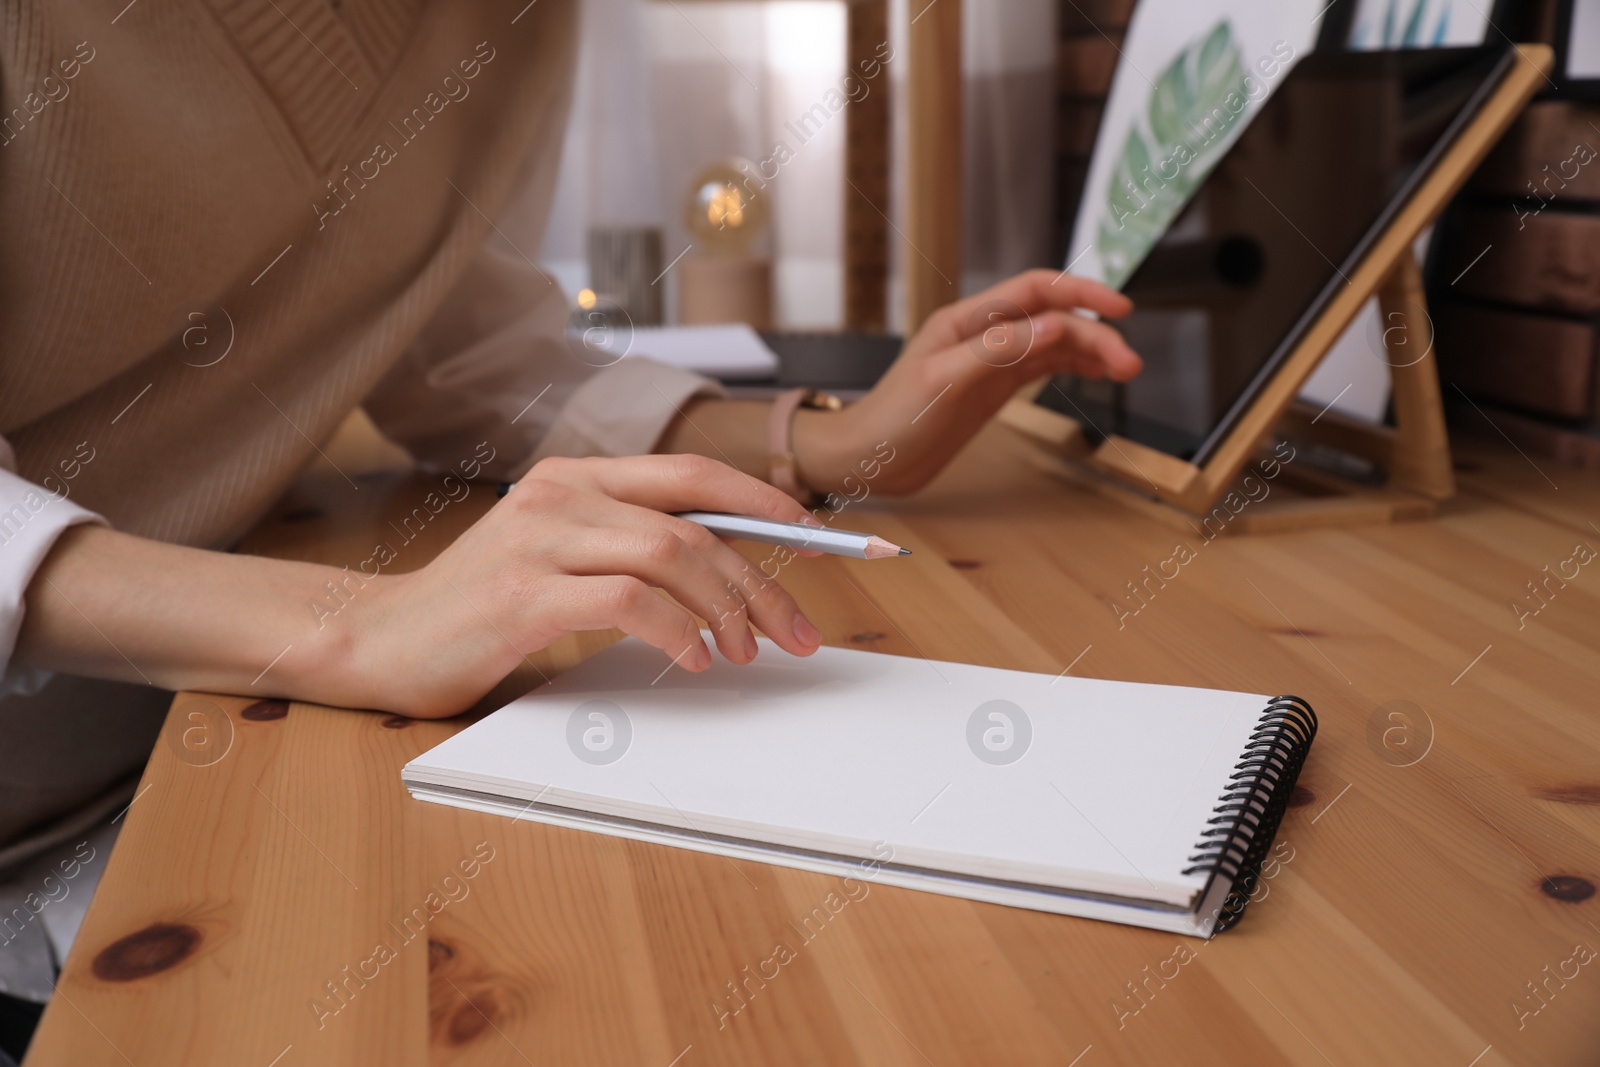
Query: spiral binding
[1243, 825]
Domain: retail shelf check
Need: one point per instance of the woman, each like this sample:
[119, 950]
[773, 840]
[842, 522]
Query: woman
[225, 226]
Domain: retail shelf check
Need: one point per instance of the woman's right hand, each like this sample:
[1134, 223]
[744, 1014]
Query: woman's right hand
[578, 544]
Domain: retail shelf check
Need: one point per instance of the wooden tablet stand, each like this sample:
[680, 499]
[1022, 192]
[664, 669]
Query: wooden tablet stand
[1221, 495]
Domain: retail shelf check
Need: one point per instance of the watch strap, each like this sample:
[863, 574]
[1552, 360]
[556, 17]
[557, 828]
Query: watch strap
[780, 442]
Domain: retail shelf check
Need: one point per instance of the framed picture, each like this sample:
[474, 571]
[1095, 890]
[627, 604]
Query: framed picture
[1578, 48]
[1191, 76]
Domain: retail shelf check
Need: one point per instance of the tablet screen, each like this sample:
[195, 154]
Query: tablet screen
[1273, 233]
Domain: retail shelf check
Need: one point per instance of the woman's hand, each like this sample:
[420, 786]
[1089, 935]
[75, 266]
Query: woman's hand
[578, 544]
[965, 362]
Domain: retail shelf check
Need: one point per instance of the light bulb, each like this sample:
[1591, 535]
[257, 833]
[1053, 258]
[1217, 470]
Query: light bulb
[725, 209]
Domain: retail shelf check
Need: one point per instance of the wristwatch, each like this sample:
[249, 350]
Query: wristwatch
[780, 437]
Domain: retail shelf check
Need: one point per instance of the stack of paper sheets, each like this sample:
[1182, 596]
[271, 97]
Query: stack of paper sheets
[1070, 795]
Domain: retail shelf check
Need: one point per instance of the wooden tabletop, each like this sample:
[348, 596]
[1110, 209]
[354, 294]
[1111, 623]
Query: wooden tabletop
[1432, 899]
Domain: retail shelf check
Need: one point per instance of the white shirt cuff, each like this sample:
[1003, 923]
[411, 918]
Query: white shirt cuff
[31, 518]
[623, 410]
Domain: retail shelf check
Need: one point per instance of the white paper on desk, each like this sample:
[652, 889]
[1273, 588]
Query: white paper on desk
[731, 350]
[821, 762]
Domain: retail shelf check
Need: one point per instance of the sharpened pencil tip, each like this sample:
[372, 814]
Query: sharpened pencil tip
[878, 548]
[905, 552]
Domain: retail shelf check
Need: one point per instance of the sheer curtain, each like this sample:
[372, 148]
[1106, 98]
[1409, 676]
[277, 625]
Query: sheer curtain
[666, 87]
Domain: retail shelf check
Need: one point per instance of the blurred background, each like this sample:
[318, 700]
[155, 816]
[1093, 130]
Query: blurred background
[666, 89]
[673, 94]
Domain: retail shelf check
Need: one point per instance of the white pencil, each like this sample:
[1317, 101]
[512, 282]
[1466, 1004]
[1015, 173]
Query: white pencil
[796, 535]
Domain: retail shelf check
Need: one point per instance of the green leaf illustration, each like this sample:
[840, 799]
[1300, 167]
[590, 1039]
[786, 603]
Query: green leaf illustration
[1412, 34]
[1189, 116]
[1413, 31]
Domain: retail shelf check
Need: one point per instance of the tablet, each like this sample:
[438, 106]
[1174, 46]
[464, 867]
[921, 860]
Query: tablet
[1273, 234]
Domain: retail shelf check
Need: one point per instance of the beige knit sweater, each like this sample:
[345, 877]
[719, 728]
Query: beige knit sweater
[224, 224]
[306, 179]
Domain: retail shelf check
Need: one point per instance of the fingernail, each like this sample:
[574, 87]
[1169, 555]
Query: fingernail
[810, 520]
[750, 644]
[807, 633]
[700, 659]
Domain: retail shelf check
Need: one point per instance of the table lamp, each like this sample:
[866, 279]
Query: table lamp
[721, 280]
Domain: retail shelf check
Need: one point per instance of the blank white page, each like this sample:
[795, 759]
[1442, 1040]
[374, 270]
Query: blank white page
[726, 350]
[843, 750]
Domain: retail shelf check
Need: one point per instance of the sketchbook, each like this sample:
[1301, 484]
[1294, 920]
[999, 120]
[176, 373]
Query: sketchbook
[1145, 804]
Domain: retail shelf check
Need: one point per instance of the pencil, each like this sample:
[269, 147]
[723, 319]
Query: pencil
[851, 543]
[796, 535]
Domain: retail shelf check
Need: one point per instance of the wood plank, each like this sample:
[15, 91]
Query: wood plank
[1145, 467]
[867, 137]
[1419, 457]
[231, 905]
[931, 259]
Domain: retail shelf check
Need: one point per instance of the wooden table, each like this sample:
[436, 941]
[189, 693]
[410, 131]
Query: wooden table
[1433, 866]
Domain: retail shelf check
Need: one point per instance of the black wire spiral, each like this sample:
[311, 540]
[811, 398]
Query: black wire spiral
[1243, 825]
